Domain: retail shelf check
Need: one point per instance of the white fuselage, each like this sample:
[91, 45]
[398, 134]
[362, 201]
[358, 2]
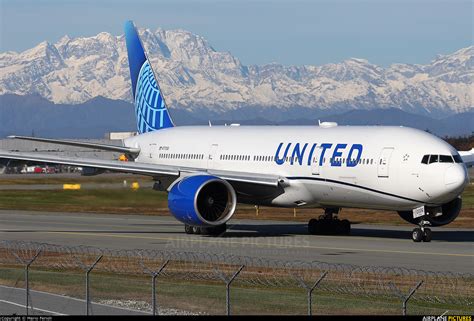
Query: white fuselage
[343, 166]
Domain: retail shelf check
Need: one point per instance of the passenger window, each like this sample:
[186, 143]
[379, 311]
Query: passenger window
[425, 159]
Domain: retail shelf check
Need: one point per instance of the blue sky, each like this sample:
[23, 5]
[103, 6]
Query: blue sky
[257, 32]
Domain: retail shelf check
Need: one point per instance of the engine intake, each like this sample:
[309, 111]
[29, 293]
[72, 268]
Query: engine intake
[202, 200]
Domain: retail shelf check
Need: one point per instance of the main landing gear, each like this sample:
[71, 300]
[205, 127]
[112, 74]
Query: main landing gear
[205, 230]
[329, 224]
[422, 233]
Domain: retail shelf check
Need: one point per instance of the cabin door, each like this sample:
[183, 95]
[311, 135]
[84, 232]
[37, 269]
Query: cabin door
[384, 162]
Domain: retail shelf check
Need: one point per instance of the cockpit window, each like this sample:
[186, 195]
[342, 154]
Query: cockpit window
[429, 159]
[425, 159]
[457, 158]
[433, 159]
[445, 159]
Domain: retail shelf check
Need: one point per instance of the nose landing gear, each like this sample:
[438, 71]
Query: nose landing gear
[329, 224]
[422, 233]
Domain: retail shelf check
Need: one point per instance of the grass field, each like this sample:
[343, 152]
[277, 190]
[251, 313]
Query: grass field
[52, 179]
[209, 297]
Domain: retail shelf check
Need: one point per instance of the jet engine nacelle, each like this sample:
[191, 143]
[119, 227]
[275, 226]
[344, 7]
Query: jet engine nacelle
[437, 216]
[202, 200]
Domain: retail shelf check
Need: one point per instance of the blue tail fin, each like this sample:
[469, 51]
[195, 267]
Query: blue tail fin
[150, 108]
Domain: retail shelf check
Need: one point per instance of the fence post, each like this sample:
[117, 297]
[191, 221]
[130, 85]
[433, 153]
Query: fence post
[310, 290]
[405, 300]
[27, 264]
[88, 271]
[153, 285]
[228, 282]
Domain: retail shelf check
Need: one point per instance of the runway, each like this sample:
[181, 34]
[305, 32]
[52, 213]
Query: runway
[452, 249]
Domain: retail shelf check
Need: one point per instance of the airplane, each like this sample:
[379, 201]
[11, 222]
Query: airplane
[207, 170]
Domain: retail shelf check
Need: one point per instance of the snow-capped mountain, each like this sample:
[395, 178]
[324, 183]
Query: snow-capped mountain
[193, 75]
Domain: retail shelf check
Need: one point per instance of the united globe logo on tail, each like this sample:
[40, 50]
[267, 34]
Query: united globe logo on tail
[150, 107]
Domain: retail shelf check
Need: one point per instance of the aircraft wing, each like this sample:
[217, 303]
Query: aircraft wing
[467, 157]
[113, 148]
[141, 168]
[113, 165]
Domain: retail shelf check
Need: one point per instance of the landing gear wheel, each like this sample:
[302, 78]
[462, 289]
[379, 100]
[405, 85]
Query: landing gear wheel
[417, 235]
[346, 227]
[328, 225]
[188, 229]
[196, 230]
[427, 235]
[334, 227]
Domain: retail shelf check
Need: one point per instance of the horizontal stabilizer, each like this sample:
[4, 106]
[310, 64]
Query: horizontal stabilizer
[467, 157]
[113, 148]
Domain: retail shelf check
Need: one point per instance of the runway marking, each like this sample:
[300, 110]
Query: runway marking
[152, 227]
[263, 245]
[30, 307]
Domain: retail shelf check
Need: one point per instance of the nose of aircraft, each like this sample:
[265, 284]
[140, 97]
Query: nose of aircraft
[456, 178]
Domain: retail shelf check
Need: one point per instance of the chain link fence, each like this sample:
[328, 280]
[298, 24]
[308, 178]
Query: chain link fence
[369, 282]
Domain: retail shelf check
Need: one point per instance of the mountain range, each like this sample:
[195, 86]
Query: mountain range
[198, 80]
[33, 114]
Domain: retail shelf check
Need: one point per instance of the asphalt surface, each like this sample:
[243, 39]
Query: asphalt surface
[13, 301]
[452, 249]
